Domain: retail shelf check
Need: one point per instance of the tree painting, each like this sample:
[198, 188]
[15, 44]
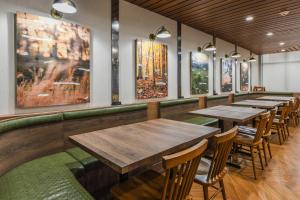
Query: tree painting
[151, 69]
[199, 73]
[52, 62]
[226, 75]
[244, 77]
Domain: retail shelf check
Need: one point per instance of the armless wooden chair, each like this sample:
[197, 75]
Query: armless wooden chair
[180, 169]
[266, 136]
[254, 142]
[217, 170]
[294, 112]
[280, 124]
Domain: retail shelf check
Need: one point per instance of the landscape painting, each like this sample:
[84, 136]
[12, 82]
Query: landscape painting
[226, 75]
[151, 69]
[52, 62]
[244, 77]
[199, 73]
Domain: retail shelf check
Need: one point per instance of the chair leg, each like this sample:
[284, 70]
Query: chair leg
[223, 189]
[287, 129]
[279, 134]
[265, 153]
[205, 192]
[269, 147]
[253, 162]
[260, 157]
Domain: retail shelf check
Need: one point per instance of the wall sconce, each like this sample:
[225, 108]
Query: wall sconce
[56, 14]
[251, 59]
[207, 47]
[233, 54]
[64, 6]
[161, 32]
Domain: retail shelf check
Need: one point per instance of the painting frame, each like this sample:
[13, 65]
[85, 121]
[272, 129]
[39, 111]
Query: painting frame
[244, 84]
[83, 65]
[136, 74]
[191, 74]
[230, 75]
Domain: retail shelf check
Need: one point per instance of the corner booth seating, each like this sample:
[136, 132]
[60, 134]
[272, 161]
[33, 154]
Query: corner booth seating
[38, 162]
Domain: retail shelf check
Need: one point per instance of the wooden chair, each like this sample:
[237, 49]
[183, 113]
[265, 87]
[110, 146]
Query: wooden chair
[280, 124]
[266, 136]
[180, 169]
[254, 142]
[294, 112]
[217, 170]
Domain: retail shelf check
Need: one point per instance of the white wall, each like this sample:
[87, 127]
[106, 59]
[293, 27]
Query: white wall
[281, 71]
[138, 23]
[94, 14]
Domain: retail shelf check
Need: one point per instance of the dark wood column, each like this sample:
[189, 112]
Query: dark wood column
[115, 52]
[179, 91]
[214, 66]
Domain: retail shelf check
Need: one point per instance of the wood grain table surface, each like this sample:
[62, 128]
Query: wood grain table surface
[237, 114]
[276, 98]
[129, 147]
[259, 103]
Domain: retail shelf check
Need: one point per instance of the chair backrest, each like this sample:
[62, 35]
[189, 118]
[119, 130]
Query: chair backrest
[181, 169]
[270, 121]
[223, 144]
[262, 125]
[296, 104]
[284, 112]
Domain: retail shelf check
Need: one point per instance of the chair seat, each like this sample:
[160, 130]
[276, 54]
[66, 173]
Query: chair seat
[244, 139]
[146, 186]
[277, 121]
[247, 130]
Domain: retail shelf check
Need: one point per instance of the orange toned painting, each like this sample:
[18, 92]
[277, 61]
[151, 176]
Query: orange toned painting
[151, 69]
[52, 62]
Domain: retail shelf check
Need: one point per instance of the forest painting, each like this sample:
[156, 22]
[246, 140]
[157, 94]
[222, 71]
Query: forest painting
[199, 73]
[52, 62]
[226, 75]
[151, 69]
[244, 77]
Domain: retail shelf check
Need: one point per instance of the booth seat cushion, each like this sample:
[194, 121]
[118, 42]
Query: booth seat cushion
[86, 159]
[103, 111]
[205, 121]
[44, 178]
[8, 125]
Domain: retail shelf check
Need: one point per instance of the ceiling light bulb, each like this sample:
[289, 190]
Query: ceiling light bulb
[249, 18]
[270, 34]
[283, 50]
[281, 43]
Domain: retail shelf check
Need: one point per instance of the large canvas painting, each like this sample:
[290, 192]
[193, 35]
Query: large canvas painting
[199, 73]
[226, 75]
[244, 77]
[52, 62]
[151, 69]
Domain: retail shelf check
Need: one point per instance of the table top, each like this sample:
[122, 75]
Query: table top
[259, 103]
[230, 113]
[129, 147]
[276, 98]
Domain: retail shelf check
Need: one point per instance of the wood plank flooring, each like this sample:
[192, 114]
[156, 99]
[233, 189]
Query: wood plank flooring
[279, 181]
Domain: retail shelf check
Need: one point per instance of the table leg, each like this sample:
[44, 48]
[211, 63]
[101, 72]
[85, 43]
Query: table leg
[124, 177]
[221, 125]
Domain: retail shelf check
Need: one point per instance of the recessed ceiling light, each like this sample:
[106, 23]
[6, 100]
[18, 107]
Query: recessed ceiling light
[270, 34]
[284, 13]
[283, 50]
[281, 43]
[249, 18]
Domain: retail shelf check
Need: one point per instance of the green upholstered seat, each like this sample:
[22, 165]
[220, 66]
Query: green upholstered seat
[12, 124]
[205, 121]
[86, 159]
[44, 178]
[103, 111]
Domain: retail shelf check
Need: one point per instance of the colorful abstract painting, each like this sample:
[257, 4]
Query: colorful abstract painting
[226, 75]
[244, 77]
[199, 73]
[52, 62]
[151, 69]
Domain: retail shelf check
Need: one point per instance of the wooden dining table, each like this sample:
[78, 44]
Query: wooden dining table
[276, 98]
[236, 114]
[259, 104]
[134, 146]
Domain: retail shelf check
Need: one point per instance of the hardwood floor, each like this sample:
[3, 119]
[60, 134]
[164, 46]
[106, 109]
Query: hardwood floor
[279, 181]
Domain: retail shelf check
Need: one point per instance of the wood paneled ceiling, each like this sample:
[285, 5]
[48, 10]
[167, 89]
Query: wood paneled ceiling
[226, 18]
